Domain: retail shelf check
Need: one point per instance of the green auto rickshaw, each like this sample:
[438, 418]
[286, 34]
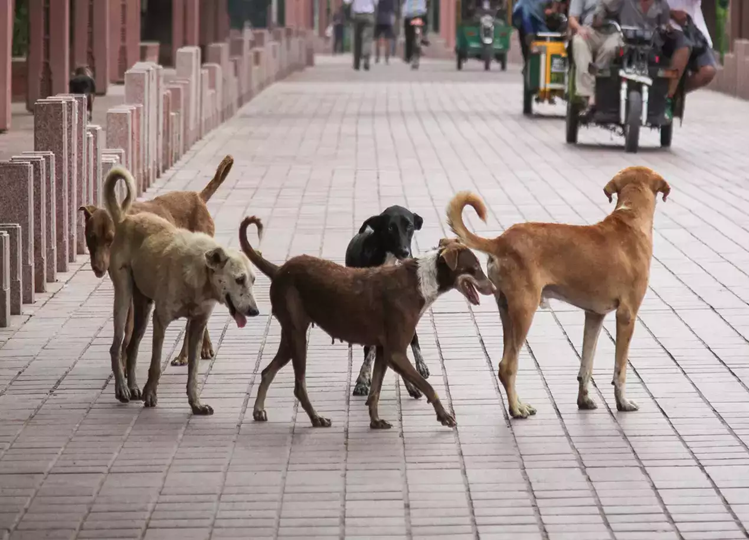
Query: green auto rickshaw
[482, 31]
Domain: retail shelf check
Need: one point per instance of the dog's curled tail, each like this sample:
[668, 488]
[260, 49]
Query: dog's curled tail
[455, 220]
[222, 171]
[266, 267]
[110, 196]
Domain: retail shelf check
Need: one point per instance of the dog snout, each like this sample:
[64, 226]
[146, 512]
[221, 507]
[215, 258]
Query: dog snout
[403, 253]
[252, 311]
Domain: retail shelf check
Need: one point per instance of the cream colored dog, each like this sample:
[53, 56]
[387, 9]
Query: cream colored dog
[185, 274]
[599, 268]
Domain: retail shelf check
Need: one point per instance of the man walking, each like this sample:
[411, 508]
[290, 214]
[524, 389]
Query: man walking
[384, 28]
[363, 13]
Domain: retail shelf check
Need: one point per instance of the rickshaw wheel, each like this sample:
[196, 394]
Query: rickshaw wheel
[667, 133]
[459, 61]
[634, 118]
[572, 122]
[503, 62]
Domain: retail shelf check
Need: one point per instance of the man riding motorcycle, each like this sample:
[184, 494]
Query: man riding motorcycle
[531, 17]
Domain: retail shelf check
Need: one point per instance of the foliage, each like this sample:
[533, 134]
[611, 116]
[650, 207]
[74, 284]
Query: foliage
[21, 29]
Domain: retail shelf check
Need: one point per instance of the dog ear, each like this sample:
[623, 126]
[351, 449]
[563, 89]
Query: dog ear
[88, 210]
[374, 223]
[450, 255]
[418, 222]
[661, 186]
[610, 189]
[216, 258]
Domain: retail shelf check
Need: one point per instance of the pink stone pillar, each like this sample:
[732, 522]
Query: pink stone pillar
[188, 69]
[48, 67]
[80, 34]
[17, 206]
[124, 32]
[178, 92]
[4, 280]
[95, 180]
[51, 125]
[192, 22]
[13, 231]
[178, 27]
[50, 218]
[6, 42]
[119, 134]
[39, 181]
[59, 46]
[101, 44]
[80, 179]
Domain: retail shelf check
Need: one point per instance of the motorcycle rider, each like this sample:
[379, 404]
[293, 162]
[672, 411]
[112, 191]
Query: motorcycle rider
[700, 64]
[529, 17]
[412, 9]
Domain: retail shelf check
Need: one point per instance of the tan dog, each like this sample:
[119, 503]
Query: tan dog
[185, 274]
[185, 209]
[379, 307]
[599, 268]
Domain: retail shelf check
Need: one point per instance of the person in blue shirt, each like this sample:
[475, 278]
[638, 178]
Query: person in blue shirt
[530, 16]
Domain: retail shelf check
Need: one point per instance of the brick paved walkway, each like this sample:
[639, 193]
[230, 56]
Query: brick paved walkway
[316, 155]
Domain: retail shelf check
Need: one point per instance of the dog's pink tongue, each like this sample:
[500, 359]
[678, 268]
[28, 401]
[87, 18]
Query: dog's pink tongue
[240, 319]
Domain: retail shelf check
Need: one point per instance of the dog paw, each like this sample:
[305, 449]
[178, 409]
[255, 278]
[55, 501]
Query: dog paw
[361, 389]
[522, 411]
[447, 419]
[149, 396]
[626, 405]
[201, 409]
[380, 424]
[180, 361]
[122, 393]
[586, 404]
[260, 416]
[423, 370]
[413, 391]
[135, 394]
[319, 421]
[206, 353]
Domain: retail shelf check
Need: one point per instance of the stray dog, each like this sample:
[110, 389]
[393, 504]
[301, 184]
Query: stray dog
[599, 268]
[382, 240]
[83, 82]
[185, 274]
[379, 307]
[185, 209]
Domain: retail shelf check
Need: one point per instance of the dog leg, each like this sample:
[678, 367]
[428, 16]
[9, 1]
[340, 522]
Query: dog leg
[181, 358]
[373, 401]
[269, 373]
[364, 381]
[206, 351]
[122, 303]
[421, 366]
[299, 361]
[401, 365]
[154, 371]
[128, 336]
[195, 340]
[411, 389]
[625, 327]
[141, 310]
[516, 321]
[593, 324]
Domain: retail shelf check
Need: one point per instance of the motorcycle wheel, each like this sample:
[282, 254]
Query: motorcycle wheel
[527, 99]
[487, 60]
[459, 59]
[634, 118]
[503, 62]
[572, 121]
[667, 133]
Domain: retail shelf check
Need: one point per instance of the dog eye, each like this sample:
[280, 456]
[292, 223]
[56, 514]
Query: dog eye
[241, 280]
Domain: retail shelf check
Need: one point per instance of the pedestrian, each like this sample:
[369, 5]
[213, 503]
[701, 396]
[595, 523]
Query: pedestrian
[412, 9]
[339, 21]
[384, 28]
[363, 13]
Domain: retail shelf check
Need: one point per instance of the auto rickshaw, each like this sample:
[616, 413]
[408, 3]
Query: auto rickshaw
[482, 31]
[545, 72]
[631, 93]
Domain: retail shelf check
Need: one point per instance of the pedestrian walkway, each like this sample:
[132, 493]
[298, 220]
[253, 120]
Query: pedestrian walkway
[315, 155]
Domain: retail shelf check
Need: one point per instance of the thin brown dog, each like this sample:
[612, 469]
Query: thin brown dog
[367, 306]
[599, 268]
[185, 209]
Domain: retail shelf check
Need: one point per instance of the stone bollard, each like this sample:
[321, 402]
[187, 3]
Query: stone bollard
[178, 91]
[120, 134]
[107, 163]
[80, 178]
[216, 84]
[17, 206]
[188, 68]
[96, 178]
[218, 53]
[40, 182]
[176, 124]
[13, 231]
[259, 76]
[4, 280]
[142, 88]
[51, 135]
[205, 103]
[165, 131]
[50, 219]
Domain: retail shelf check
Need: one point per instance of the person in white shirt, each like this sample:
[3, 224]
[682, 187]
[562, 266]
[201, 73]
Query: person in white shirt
[700, 67]
[363, 13]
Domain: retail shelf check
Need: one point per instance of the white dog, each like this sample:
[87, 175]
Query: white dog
[183, 273]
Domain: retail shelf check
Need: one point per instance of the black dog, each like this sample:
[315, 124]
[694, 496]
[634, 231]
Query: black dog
[83, 83]
[385, 239]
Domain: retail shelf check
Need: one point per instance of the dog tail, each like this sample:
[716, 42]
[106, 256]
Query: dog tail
[110, 196]
[455, 220]
[222, 171]
[266, 267]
